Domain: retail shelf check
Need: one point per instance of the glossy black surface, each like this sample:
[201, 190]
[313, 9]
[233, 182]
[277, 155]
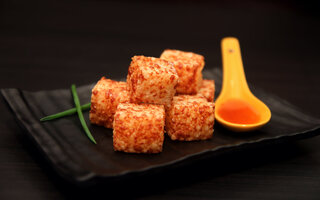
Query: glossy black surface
[75, 158]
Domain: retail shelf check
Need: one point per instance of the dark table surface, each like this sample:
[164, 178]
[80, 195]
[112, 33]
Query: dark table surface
[49, 45]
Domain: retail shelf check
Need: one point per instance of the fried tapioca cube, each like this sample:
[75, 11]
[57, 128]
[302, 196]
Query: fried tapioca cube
[207, 90]
[190, 118]
[139, 128]
[151, 80]
[105, 97]
[189, 68]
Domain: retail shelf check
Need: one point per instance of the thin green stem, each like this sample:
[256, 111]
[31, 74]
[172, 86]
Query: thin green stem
[65, 113]
[79, 111]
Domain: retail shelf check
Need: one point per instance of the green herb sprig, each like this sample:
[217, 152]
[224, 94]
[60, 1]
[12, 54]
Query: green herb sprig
[65, 113]
[80, 115]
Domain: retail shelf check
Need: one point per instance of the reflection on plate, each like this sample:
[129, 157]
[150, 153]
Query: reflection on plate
[76, 159]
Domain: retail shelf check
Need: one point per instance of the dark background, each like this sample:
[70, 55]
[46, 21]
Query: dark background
[50, 44]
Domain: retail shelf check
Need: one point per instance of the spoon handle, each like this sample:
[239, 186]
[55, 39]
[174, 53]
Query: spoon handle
[233, 74]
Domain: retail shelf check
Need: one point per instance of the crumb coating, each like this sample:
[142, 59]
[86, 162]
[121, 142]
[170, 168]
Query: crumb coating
[105, 97]
[189, 68]
[139, 128]
[151, 80]
[207, 90]
[190, 118]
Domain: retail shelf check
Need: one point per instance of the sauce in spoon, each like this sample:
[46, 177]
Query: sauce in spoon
[236, 107]
[238, 111]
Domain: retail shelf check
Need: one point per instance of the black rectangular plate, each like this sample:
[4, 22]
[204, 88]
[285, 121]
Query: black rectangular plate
[76, 159]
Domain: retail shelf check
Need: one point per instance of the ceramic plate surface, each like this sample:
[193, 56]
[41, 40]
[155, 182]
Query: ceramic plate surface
[76, 159]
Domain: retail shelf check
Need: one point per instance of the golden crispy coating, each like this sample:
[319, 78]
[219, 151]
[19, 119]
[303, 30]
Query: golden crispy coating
[139, 128]
[190, 118]
[189, 67]
[151, 80]
[106, 95]
[207, 90]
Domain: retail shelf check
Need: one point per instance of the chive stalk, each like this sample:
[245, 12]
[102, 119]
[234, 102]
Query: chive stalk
[80, 115]
[65, 113]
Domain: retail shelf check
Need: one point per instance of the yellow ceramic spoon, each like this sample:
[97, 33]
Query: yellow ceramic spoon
[236, 107]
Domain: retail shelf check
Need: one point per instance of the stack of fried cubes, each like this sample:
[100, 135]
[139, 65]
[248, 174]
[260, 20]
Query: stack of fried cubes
[165, 94]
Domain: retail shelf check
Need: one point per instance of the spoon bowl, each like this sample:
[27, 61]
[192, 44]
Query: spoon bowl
[237, 108]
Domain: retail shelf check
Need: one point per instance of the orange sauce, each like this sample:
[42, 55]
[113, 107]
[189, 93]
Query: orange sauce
[238, 111]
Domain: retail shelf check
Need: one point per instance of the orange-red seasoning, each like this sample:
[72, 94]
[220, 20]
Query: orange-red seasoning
[238, 111]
